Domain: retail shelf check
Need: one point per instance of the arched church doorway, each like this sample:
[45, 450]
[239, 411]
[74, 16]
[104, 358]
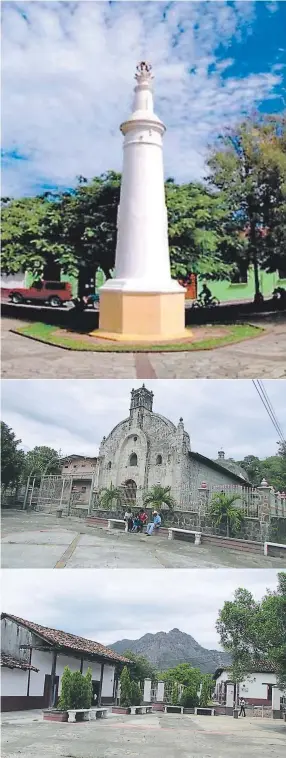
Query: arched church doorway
[130, 491]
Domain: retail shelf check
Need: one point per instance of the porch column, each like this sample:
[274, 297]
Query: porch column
[276, 695]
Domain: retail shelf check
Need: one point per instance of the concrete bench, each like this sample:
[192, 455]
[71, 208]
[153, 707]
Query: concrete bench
[117, 523]
[73, 713]
[173, 709]
[276, 546]
[87, 714]
[204, 711]
[140, 709]
[175, 533]
[98, 713]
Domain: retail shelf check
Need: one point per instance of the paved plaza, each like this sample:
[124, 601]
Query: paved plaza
[265, 357]
[26, 735]
[35, 540]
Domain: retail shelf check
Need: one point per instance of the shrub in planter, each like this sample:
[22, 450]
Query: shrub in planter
[76, 690]
[189, 698]
[136, 694]
[125, 689]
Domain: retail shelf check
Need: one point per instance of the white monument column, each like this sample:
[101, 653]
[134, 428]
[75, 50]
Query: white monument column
[142, 301]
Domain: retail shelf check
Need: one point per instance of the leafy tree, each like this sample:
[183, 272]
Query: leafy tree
[125, 688]
[41, 459]
[136, 694]
[255, 631]
[141, 668]
[175, 698]
[224, 514]
[273, 469]
[184, 674]
[32, 236]
[76, 690]
[206, 690]
[198, 231]
[159, 496]
[12, 457]
[110, 495]
[249, 167]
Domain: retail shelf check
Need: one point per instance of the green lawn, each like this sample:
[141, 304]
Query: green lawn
[73, 341]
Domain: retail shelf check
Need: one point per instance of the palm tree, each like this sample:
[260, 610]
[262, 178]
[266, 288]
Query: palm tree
[223, 513]
[110, 494]
[158, 496]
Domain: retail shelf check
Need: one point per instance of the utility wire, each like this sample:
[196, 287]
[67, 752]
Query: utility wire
[268, 407]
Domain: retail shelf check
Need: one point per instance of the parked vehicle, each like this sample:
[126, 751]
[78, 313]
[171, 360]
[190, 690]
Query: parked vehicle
[52, 293]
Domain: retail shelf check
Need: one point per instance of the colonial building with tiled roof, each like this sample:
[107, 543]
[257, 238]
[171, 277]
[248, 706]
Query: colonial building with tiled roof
[256, 688]
[34, 657]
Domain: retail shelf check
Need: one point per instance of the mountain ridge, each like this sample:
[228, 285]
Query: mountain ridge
[168, 649]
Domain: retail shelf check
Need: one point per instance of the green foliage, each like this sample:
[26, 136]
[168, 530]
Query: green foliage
[159, 496]
[12, 457]
[141, 668]
[225, 515]
[125, 688]
[110, 497]
[206, 690]
[184, 673]
[41, 459]
[189, 698]
[273, 469]
[136, 694]
[249, 167]
[253, 631]
[198, 237]
[175, 698]
[76, 690]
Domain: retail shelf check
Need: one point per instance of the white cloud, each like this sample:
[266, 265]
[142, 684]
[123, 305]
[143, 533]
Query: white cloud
[111, 605]
[67, 80]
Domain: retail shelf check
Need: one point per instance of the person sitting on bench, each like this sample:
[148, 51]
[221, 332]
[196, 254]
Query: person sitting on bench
[143, 519]
[136, 523]
[155, 524]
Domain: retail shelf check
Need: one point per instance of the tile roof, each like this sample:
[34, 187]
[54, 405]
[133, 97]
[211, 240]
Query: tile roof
[12, 663]
[67, 640]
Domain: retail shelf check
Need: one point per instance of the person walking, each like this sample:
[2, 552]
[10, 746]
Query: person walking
[155, 524]
[242, 707]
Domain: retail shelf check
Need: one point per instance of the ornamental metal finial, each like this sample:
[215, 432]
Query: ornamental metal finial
[144, 71]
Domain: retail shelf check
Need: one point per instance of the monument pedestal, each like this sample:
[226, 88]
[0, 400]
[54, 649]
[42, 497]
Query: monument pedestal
[142, 316]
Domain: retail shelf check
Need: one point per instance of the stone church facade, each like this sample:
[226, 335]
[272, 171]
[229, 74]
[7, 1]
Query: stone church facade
[147, 449]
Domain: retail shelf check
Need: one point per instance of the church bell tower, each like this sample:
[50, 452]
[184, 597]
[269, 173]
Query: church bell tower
[141, 399]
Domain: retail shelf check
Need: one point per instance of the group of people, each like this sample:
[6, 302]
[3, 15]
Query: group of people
[137, 522]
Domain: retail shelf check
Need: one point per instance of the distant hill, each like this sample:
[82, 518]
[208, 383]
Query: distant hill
[167, 649]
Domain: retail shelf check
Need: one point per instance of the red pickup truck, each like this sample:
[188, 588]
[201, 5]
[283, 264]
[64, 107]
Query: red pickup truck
[52, 293]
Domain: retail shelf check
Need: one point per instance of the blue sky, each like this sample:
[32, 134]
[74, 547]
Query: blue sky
[68, 74]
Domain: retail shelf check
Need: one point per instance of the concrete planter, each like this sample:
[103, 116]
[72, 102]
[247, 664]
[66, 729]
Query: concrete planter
[120, 709]
[53, 714]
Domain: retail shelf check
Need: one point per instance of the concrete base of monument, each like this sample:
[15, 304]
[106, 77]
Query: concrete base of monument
[142, 316]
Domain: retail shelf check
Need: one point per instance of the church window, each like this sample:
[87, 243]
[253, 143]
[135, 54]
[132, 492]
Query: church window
[158, 460]
[109, 464]
[133, 460]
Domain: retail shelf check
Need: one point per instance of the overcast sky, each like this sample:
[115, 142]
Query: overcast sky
[107, 606]
[74, 415]
[68, 75]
